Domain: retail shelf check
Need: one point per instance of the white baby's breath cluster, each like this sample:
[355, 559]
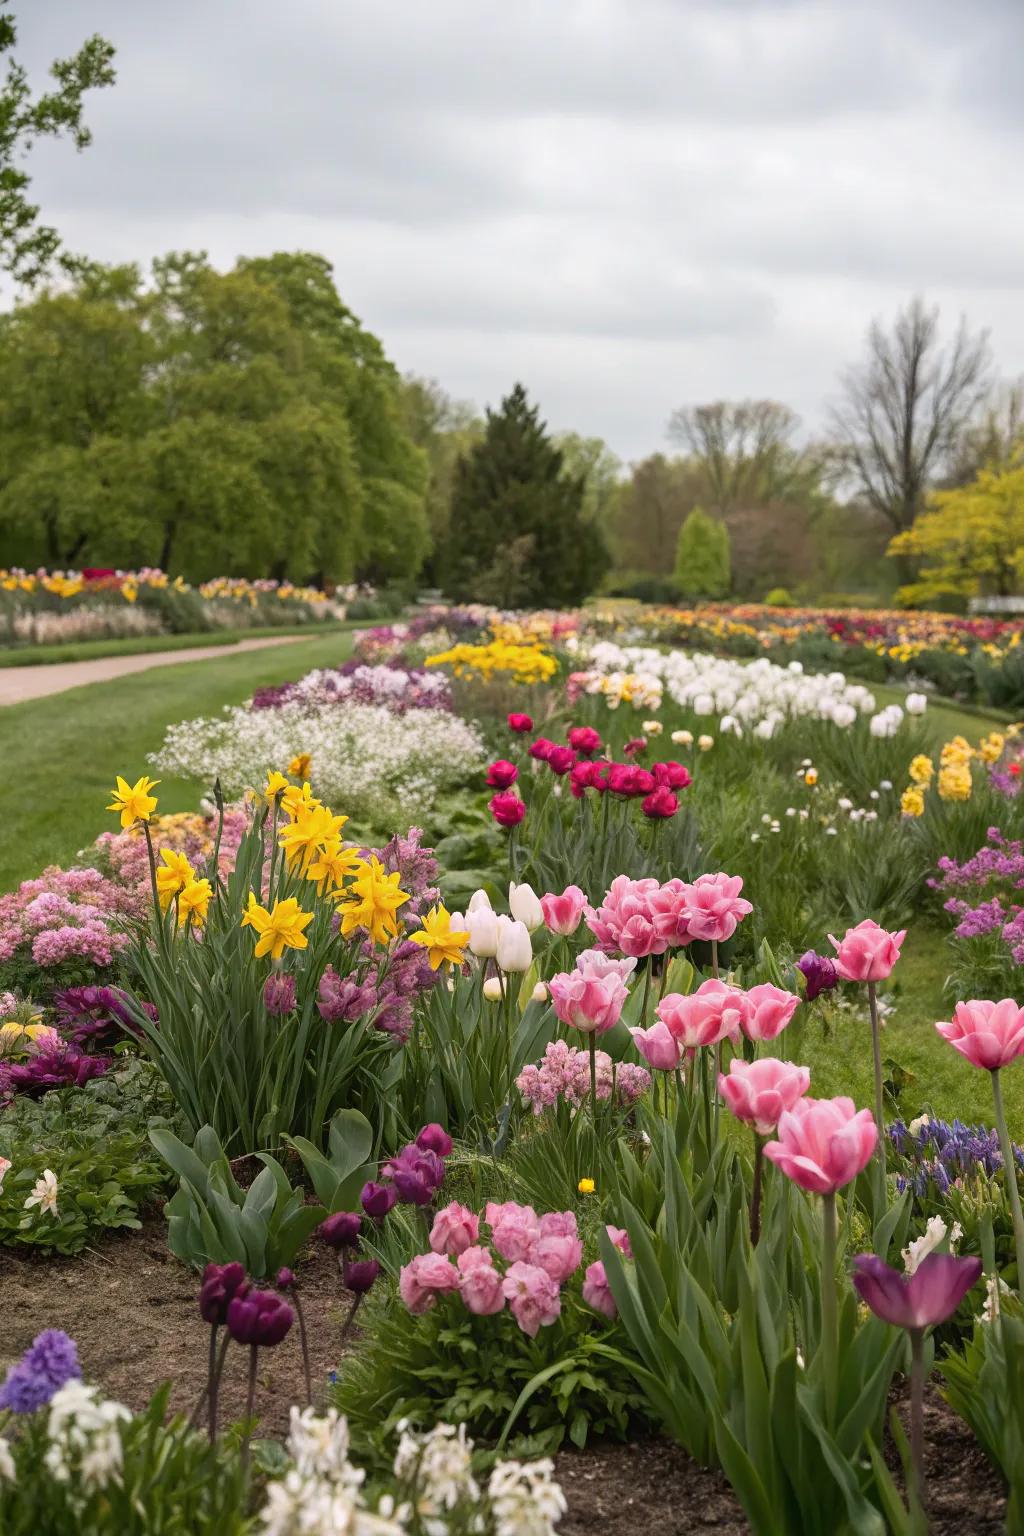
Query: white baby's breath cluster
[368, 760]
[322, 1493]
[757, 697]
[84, 1432]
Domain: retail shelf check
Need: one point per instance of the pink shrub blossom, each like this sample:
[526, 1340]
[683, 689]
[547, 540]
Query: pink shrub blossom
[533, 1297]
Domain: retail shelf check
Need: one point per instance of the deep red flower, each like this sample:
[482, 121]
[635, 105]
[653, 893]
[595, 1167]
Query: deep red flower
[561, 759]
[507, 809]
[520, 723]
[674, 775]
[660, 803]
[585, 740]
[502, 773]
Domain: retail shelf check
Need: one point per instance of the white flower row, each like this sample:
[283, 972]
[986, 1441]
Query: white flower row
[756, 695]
[366, 761]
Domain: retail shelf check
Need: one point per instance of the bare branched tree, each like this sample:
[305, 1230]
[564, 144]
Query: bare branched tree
[905, 409]
[743, 448]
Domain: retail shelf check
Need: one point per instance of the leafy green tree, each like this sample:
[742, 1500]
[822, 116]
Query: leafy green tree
[518, 535]
[702, 557]
[29, 248]
[445, 429]
[238, 422]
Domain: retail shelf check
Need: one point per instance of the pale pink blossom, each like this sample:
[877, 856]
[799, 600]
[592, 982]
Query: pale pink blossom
[823, 1143]
[597, 1292]
[424, 1278]
[533, 1297]
[480, 1284]
[989, 1035]
[867, 952]
[716, 1011]
[625, 920]
[455, 1228]
[586, 1003]
[715, 907]
[759, 1091]
[769, 1010]
[658, 1046]
[515, 1230]
[562, 914]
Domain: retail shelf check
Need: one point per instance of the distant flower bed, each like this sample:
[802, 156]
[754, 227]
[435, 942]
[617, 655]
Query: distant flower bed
[389, 684]
[49, 607]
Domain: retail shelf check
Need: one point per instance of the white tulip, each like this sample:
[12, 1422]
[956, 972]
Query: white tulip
[515, 952]
[703, 704]
[482, 927]
[683, 738]
[539, 993]
[917, 703]
[705, 743]
[494, 988]
[524, 904]
[479, 901]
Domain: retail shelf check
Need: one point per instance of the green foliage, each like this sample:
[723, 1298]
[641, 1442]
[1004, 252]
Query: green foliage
[171, 1482]
[778, 597]
[27, 247]
[985, 1386]
[486, 1373]
[240, 423]
[702, 557]
[212, 1220]
[518, 535]
[94, 1140]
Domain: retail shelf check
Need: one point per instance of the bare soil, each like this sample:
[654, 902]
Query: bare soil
[131, 1306]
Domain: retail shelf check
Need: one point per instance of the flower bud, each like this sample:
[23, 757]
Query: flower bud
[515, 952]
[524, 905]
[341, 1230]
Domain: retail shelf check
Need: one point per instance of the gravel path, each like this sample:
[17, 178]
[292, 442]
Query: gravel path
[20, 683]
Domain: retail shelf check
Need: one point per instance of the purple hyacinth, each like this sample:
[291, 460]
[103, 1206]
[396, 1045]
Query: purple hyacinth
[342, 999]
[819, 973]
[49, 1363]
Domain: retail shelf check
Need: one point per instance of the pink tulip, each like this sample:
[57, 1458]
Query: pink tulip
[769, 1011]
[455, 1229]
[625, 919]
[507, 808]
[584, 739]
[533, 1297]
[558, 1254]
[716, 906]
[714, 1012]
[669, 908]
[595, 965]
[590, 1004]
[480, 1284]
[597, 1292]
[515, 1230]
[823, 1143]
[562, 914]
[424, 1278]
[867, 952]
[990, 1035]
[759, 1091]
[658, 1046]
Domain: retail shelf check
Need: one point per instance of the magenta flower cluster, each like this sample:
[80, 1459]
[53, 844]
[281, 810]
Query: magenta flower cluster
[67, 914]
[564, 1076]
[529, 1260]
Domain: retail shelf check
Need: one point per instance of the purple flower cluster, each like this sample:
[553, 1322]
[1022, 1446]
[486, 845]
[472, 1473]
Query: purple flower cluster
[564, 1073]
[53, 1063]
[983, 889]
[417, 866]
[941, 1152]
[417, 1172]
[386, 683]
[386, 994]
[49, 1363]
[67, 914]
[96, 1015]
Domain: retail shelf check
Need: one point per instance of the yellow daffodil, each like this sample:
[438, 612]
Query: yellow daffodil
[279, 929]
[922, 770]
[333, 864]
[956, 751]
[194, 902]
[175, 874]
[276, 785]
[300, 765]
[912, 801]
[443, 944]
[586, 1186]
[304, 836]
[991, 748]
[374, 898]
[297, 799]
[134, 801]
[955, 781]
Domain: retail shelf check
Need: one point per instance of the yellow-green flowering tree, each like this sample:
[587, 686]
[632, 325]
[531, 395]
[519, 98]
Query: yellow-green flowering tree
[970, 539]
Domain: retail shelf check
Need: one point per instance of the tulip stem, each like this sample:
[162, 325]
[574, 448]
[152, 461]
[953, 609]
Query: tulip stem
[250, 1403]
[592, 1046]
[714, 1085]
[876, 1045]
[917, 1473]
[304, 1341]
[1010, 1169]
[829, 1311]
[714, 958]
[346, 1327]
[647, 992]
[755, 1196]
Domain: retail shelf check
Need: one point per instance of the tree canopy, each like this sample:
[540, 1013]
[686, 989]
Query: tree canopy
[702, 557]
[518, 534]
[969, 539]
[240, 422]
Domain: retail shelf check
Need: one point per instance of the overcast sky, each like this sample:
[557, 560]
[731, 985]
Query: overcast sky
[628, 204]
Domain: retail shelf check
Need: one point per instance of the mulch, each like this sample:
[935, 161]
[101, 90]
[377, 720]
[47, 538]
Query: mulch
[131, 1307]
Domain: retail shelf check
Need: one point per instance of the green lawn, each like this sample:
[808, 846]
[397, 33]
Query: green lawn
[947, 720]
[60, 754]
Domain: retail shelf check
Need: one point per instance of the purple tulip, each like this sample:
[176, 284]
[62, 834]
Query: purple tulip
[360, 1275]
[921, 1300]
[434, 1138]
[221, 1284]
[417, 1174]
[259, 1318]
[378, 1199]
[341, 1230]
[819, 973]
[285, 1279]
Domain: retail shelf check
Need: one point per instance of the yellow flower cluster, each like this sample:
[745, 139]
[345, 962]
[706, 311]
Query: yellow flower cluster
[520, 663]
[68, 584]
[176, 880]
[955, 781]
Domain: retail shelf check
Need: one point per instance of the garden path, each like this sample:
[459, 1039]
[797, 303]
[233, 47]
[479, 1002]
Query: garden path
[20, 683]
